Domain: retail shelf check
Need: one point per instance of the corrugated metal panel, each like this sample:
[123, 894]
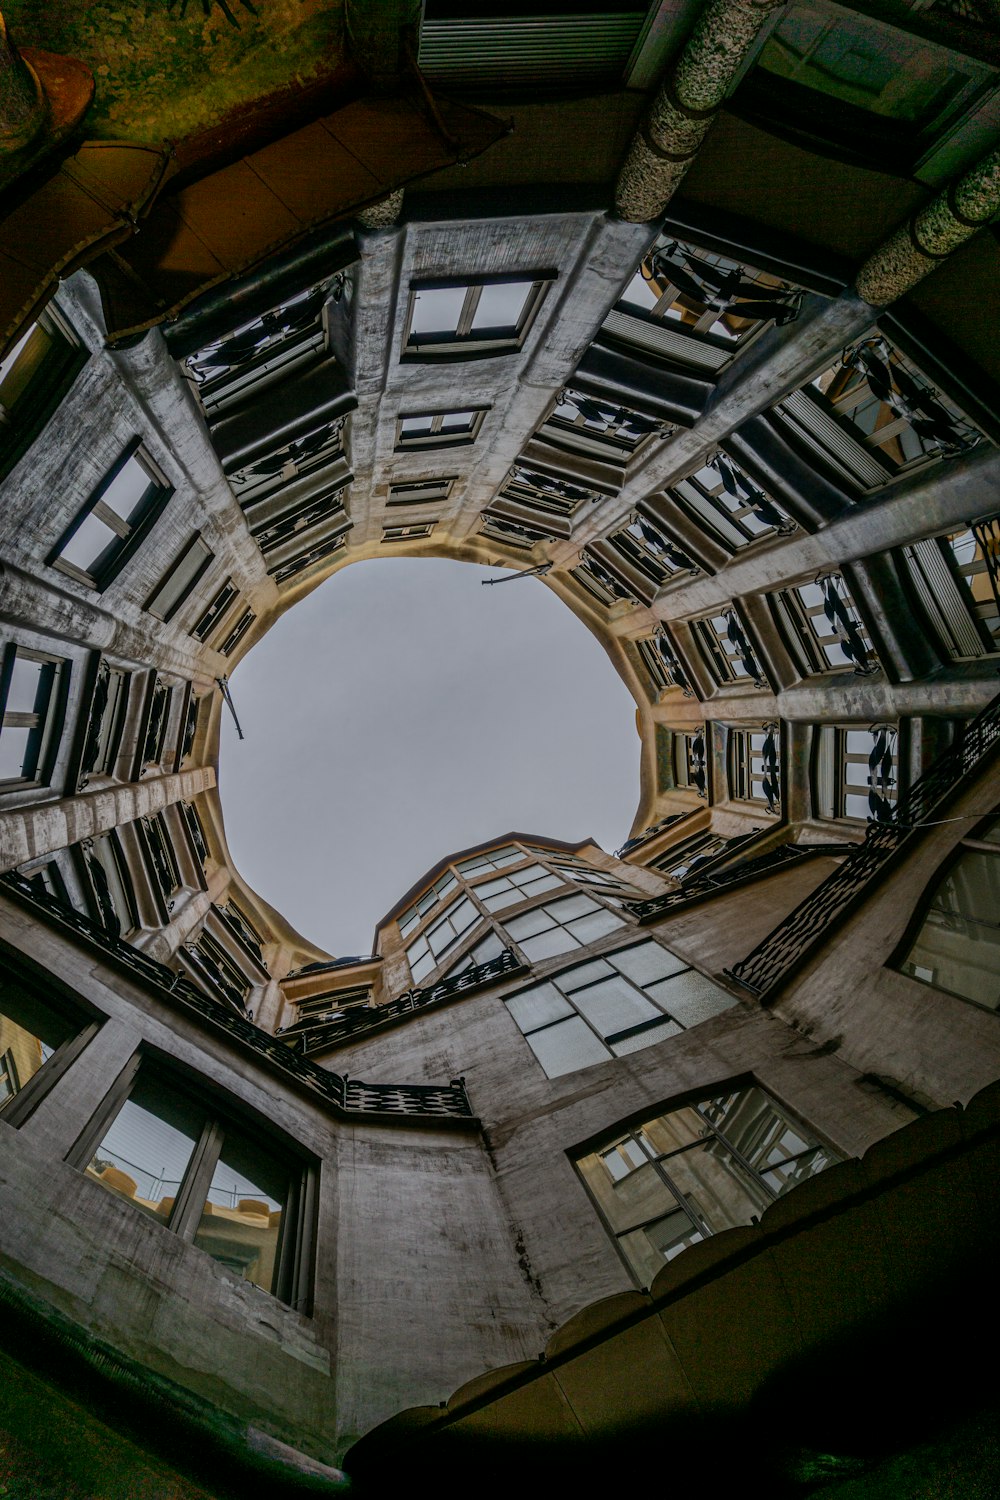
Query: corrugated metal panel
[659, 339]
[942, 599]
[513, 51]
[832, 442]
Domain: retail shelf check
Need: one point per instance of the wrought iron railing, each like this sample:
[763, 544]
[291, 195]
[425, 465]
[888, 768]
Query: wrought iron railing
[711, 882]
[781, 953]
[361, 1020]
[346, 1096]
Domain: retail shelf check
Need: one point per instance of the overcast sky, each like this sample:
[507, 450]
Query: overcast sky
[401, 712]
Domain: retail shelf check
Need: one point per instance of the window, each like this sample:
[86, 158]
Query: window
[233, 1190]
[822, 627]
[226, 980]
[158, 716]
[726, 648]
[662, 664]
[487, 315]
[957, 946]
[114, 520]
[830, 77]
[857, 772]
[38, 1041]
[407, 533]
[656, 557]
[754, 773]
[581, 873]
[416, 491]
[540, 491]
[488, 948]
[283, 571]
[212, 616]
[957, 583]
[697, 309]
[572, 922]
[613, 1006]
[189, 568]
[111, 890]
[602, 427]
[32, 701]
[872, 416]
[439, 429]
[284, 339]
[519, 885]
[196, 829]
[726, 503]
[105, 727]
[691, 1172]
[276, 524]
[35, 374]
[511, 532]
[691, 855]
[691, 761]
[596, 580]
[440, 937]
[414, 915]
[237, 633]
[312, 451]
[161, 855]
[493, 859]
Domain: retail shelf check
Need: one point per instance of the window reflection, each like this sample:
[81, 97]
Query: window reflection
[241, 1217]
[958, 945]
[30, 1032]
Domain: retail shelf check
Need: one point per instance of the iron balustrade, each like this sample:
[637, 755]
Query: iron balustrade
[779, 955]
[714, 881]
[361, 1021]
[348, 1097]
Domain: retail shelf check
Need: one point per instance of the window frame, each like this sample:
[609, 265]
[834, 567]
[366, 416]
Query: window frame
[48, 723]
[80, 1013]
[439, 437]
[176, 600]
[465, 342]
[45, 389]
[294, 1272]
[741, 762]
[131, 533]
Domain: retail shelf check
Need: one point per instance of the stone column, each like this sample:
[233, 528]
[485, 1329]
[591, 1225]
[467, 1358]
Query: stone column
[932, 234]
[687, 103]
[24, 108]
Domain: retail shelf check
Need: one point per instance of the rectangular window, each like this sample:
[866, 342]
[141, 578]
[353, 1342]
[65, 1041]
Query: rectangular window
[856, 772]
[416, 913]
[724, 501]
[559, 926]
[500, 529]
[183, 577]
[691, 761]
[33, 690]
[212, 616]
[416, 491]
[226, 980]
[822, 627]
[295, 565]
[957, 945]
[161, 856]
[111, 891]
[440, 937]
[114, 520]
[651, 552]
[754, 766]
[613, 1006]
[468, 319]
[600, 426]
[662, 664]
[697, 309]
[520, 885]
[439, 429]
[493, 859]
[237, 633]
[407, 533]
[595, 579]
[690, 855]
[106, 725]
[38, 1040]
[726, 648]
[483, 952]
[538, 491]
[957, 581]
[694, 1171]
[158, 716]
[227, 1187]
[872, 416]
[35, 375]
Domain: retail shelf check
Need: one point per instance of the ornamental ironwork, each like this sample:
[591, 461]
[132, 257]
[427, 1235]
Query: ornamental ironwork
[779, 955]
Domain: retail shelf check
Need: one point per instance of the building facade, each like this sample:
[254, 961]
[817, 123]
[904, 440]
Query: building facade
[578, 1114]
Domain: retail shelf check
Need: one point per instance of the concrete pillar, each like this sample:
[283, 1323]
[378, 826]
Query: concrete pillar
[932, 234]
[30, 832]
[382, 215]
[678, 121]
[24, 108]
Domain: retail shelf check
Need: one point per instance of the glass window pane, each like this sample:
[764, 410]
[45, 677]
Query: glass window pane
[538, 1006]
[566, 1046]
[631, 1199]
[648, 1249]
[241, 1219]
[528, 923]
[23, 689]
[613, 1005]
[718, 1191]
[15, 752]
[648, 1038]
[646, 962]
[572, 979]
[457, 421]
[88, 542]
[589, 928]
[126, 490]
[690, 997]
[29, 1034]
[682, 1127]
[146, 1152]
[572, 906]
[501, 307]
[547, 944]
[790, 1173]
[437, 309]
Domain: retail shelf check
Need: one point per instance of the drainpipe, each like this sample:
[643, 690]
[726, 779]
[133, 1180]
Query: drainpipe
[689, 98]
[932, 234]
